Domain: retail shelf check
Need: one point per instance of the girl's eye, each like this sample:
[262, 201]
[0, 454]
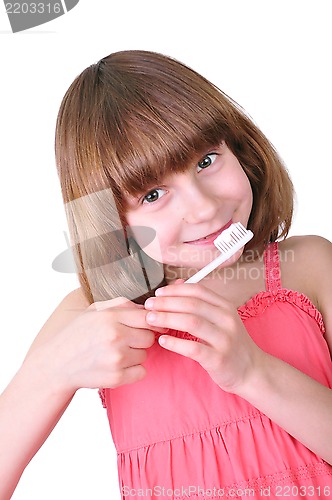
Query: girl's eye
[206, 161]
[153, 195]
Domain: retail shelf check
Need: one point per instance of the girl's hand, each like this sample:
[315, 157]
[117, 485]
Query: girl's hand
[226, 350]
[105, 346]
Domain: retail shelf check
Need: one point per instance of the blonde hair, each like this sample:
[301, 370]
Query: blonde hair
[124, 124]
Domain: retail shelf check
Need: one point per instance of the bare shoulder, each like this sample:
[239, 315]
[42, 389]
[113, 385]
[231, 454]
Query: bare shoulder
[313, 252]
[306, 259]
[75, 298]
[303, 243]
[306, 265]
[73, 304]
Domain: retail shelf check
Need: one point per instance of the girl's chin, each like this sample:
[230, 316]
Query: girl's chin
[185, 269]
[195, 260]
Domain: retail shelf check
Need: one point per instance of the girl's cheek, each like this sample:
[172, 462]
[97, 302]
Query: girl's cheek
[154, 250]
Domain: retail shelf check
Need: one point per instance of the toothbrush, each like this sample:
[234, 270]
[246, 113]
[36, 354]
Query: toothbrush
[228, 242]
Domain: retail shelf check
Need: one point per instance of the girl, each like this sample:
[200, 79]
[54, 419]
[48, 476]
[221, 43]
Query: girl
[220, 388]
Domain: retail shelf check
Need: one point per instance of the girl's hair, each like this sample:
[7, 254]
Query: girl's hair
[124, 124]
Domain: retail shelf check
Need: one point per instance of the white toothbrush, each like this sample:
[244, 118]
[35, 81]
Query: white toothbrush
[228, 242]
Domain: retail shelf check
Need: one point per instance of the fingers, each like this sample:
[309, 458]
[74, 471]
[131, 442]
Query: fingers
[189, 348]
[140, 339]
[191, 290]
[129, 376]
[125, 364]
[192, 308]
[190, 314]
[127, 314]
[106, 304]
[191, 323]
[135, 318]
[193, 299]
[188, 305]
[124, 358]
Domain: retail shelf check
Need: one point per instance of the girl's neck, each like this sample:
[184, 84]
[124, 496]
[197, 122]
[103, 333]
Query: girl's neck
[236, 283]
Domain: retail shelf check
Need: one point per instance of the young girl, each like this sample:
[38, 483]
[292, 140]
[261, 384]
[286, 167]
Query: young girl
[219, 388]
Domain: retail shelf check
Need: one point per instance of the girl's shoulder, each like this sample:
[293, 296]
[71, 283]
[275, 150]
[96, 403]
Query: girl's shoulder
[306, 261]
[303, 247]
[71, 306]
[314, 252]
[306, 266]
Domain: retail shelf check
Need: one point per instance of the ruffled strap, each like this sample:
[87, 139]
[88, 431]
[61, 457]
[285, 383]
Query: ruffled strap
[102, 396]
[258, 304]
[272, 268]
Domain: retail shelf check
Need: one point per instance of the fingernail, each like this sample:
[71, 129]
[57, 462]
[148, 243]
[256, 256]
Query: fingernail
[162, 340]
[149, 303]
[151, 317]
[159, 291]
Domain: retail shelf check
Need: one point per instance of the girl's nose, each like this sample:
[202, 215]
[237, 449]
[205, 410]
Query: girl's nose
[198, 203]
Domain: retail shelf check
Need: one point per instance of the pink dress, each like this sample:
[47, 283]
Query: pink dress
[178, 435]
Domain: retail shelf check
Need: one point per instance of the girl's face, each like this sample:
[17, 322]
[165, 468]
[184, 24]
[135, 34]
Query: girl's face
[189, 210]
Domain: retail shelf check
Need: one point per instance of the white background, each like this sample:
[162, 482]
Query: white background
[273, 57]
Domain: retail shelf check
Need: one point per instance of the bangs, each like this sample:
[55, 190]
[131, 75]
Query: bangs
[150, 151]
[124, 125]
[153, 125]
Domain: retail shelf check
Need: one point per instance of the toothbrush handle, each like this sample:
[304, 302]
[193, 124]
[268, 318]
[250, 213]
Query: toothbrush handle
[207, 269]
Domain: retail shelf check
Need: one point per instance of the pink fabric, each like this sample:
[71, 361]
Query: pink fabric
[178, 435]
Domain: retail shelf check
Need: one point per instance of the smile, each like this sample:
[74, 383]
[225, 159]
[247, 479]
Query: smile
[208, 239]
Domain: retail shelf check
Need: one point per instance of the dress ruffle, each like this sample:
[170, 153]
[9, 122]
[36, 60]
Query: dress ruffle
[221, 454]
[176, 428]
[254, 307]
[260, 302]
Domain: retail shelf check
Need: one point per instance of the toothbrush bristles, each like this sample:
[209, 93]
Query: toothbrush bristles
[228, 243]
[234, 235]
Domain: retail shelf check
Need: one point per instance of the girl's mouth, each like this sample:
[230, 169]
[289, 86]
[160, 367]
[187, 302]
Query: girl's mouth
[209, 239]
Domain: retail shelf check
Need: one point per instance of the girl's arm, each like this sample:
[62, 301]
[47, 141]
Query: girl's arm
[32, 404]
[103, 345]
[30, 407]
[293, 400]
[296, 402]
